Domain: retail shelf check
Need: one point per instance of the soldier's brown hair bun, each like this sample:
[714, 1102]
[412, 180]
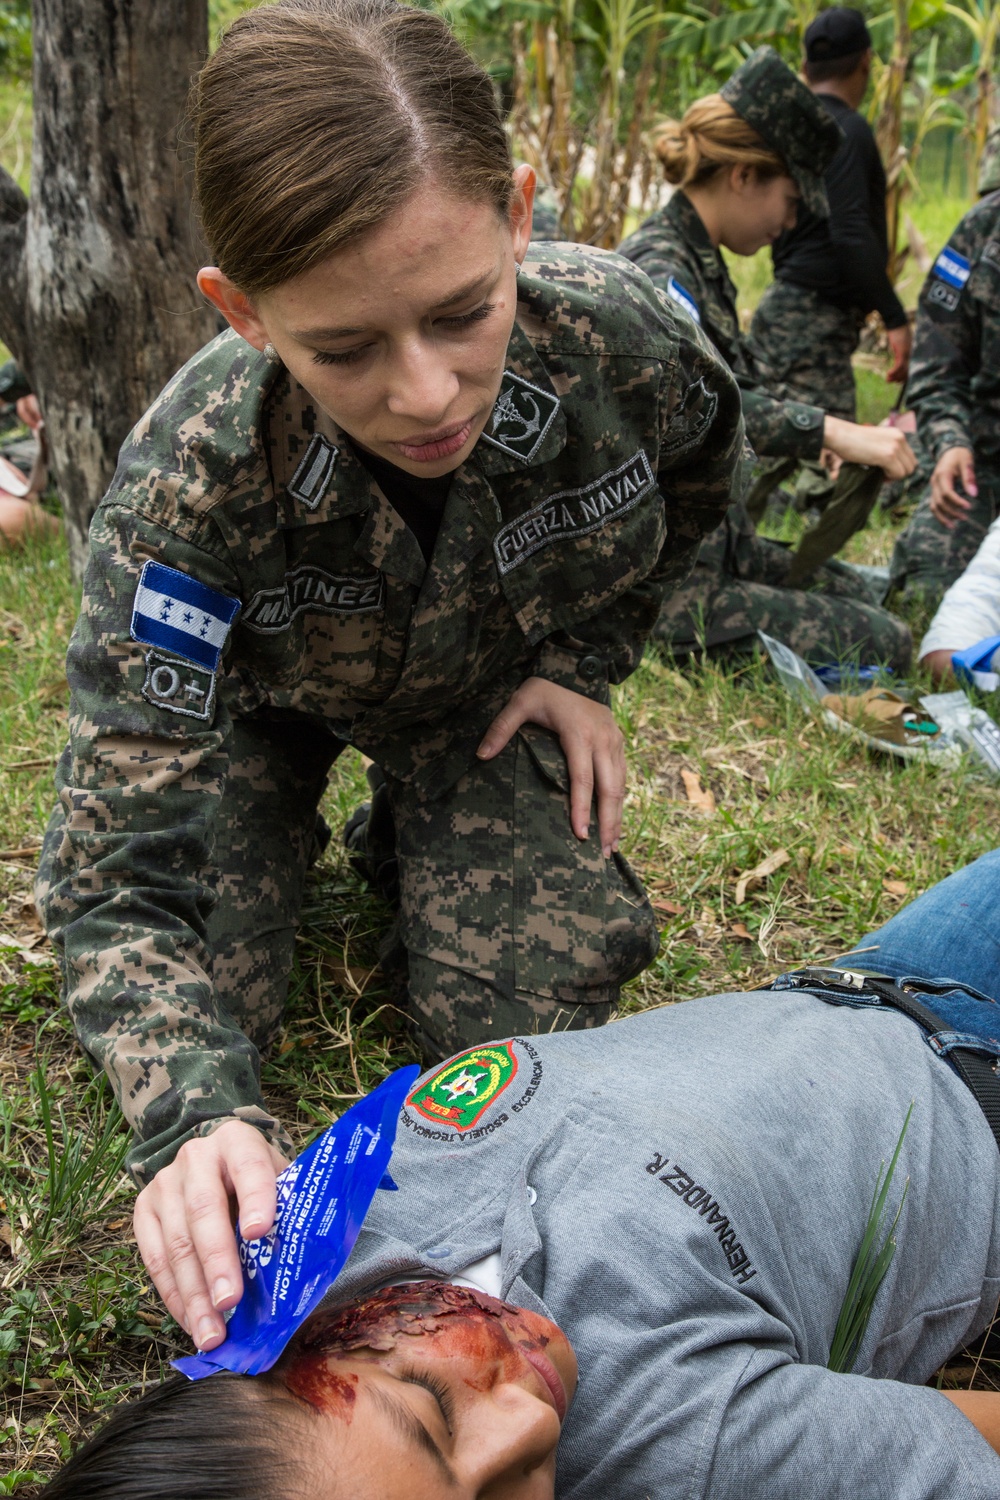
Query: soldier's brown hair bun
[316, 119]
[710, 137]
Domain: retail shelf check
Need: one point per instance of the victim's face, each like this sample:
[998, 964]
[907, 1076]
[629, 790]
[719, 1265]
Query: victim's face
[402, 335]
[432, 1390]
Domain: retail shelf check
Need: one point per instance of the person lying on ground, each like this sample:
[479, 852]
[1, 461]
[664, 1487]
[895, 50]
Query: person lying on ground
[954, 388]
[423, 498]
[617, 1259]
[969, 611]
[741, 160]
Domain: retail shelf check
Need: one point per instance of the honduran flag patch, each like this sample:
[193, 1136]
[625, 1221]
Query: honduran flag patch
[952, 268]
[683, 298]
[174, 611]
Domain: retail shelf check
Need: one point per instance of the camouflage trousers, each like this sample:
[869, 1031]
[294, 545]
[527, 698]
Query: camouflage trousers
[739, 586]
[510, 923]
[802, 346]
[927, 557]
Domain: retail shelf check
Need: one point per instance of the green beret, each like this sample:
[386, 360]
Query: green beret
[789, 118]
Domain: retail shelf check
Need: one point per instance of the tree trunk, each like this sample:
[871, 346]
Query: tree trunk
[97, 294]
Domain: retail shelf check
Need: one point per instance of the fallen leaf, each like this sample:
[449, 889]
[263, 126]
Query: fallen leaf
[5, 1234]
[672, 908]
[739, 930]
[697, 795]
[896, 887]
[751, 879]
[348, 976]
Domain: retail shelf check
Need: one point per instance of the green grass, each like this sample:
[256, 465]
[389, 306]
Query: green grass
[80, 1325]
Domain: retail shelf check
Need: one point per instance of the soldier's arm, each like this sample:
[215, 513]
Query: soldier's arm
[946, 350]
[701, 457]
[147, 765]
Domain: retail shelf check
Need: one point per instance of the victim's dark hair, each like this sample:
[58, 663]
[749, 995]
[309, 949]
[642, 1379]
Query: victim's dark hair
[230, 1437]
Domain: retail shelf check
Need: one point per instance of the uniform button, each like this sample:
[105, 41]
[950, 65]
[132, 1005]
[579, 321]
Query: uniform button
[590, 667]
[441, 1253]
[532, 1196]
[804, 419]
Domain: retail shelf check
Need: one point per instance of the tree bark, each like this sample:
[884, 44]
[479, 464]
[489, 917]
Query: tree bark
[97, 294]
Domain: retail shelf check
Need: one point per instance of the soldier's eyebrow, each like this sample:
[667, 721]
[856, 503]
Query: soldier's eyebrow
[477, 285]
[410, 1427]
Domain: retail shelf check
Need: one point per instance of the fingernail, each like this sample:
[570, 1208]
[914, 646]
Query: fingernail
[208, 1333]
[220, 1291]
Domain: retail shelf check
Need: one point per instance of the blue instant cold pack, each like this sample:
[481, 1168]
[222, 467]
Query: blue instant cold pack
[323, 1198]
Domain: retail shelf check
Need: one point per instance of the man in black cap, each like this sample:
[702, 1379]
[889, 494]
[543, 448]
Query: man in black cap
[831, 272]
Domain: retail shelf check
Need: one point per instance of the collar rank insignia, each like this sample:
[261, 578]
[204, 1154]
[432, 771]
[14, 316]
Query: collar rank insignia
[458, 1093]
[311, 479]
[521, 417]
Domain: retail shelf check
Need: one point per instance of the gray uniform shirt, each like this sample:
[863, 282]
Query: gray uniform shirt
[684, 1193]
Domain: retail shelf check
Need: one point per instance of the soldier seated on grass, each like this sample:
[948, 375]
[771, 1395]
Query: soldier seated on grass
[620, 1266]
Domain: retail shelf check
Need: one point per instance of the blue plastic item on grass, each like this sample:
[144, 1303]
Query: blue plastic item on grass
[323, 1198]
[976, 662]
[839, 674]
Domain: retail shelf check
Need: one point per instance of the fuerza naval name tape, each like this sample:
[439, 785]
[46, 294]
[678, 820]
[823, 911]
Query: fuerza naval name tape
[179, 614]
[323, 1199]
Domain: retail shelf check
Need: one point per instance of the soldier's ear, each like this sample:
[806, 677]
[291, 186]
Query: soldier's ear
[239, 312]
[521, 205]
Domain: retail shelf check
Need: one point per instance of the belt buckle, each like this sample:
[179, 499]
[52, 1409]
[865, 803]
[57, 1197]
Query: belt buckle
[837, 979]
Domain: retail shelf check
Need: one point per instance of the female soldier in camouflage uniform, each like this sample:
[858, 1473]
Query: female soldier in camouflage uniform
[742, 158]
[406, 503]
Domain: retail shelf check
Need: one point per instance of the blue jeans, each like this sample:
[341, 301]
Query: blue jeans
[950, 932]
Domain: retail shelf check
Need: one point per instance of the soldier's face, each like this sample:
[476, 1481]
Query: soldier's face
[757, 210]
[428, 1390]
[401, 337]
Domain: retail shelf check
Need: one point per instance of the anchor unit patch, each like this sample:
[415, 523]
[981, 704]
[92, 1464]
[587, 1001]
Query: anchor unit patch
[521, 417]
[573, 513]
[458, 1093]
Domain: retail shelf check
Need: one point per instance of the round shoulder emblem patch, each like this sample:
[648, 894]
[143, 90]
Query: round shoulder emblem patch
[458, 1092]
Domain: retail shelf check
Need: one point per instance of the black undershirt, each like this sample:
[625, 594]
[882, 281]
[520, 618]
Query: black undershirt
[420, 502]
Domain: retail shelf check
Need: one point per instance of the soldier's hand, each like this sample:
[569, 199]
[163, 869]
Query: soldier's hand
[591, 741]
[900, 344]
[882, 448]
[184, 1223]
[955, 467]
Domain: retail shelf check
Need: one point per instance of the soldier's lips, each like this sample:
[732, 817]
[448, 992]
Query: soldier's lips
[438, 445]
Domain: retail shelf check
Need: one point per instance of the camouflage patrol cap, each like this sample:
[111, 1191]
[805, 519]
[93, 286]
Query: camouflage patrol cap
[789, 118]
[988, 180]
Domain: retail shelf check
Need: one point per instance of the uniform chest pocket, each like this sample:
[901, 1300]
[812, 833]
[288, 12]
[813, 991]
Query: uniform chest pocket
[322, 629]
[565, 559]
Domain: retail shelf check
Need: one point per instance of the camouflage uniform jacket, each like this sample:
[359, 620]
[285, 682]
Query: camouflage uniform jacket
[674, 250]
[954, 383]
[610, 453]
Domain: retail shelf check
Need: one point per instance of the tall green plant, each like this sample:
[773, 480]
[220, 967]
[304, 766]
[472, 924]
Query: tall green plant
[873, 1261]
[981, 18]
[579, 116]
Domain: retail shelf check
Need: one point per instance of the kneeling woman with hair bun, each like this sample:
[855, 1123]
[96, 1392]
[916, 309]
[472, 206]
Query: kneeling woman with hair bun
[423, 498]
[741, 160]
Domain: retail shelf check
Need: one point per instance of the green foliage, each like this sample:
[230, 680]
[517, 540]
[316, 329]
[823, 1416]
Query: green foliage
[15, 40]
[873, 1261]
